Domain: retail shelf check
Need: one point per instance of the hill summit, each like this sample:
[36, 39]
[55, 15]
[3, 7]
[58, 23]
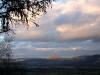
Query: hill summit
[54, 57]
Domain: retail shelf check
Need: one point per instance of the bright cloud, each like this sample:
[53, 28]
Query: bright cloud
[72, 6]
[24, 34]
[84, 32]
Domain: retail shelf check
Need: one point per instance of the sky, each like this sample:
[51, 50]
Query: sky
[70, 28]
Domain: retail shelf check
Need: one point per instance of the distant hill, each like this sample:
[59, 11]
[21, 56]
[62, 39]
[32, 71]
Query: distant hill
[54, 57]
[58, 62]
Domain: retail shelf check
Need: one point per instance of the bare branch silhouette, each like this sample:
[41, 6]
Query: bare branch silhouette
[12, 11]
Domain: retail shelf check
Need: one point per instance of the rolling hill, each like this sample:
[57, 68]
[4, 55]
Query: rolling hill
[65, 63]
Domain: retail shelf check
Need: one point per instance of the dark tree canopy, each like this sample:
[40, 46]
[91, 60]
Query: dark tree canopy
[18, 11]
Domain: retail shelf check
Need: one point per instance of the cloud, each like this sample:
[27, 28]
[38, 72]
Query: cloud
[71, 20]
[85, 6]
[23, 34]
[72, 17]
[56, 49]
[83, 32]
[45, 49]
[81, 23]
[76, 19]
[68, 29]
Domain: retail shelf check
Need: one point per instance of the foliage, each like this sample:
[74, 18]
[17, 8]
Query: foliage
[21, 11]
